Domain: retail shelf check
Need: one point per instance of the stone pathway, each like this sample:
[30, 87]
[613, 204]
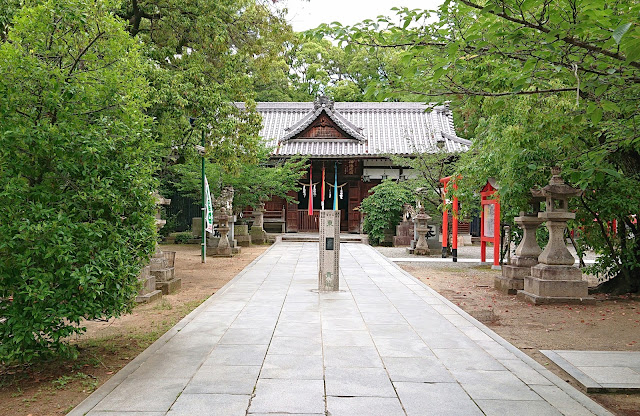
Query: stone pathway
[600, 371]
[386, 344]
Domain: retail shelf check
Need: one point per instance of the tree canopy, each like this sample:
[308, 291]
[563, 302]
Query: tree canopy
[536, 83]
[95, 109]
[76, 166]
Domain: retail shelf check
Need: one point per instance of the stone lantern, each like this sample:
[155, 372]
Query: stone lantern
[527, 252]
[555, 279]
[257, 232]
[222, 214]
[421, 221]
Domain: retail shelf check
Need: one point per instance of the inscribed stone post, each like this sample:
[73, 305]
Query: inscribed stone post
[329, 256]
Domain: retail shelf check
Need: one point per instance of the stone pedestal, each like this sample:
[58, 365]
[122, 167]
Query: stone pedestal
[162, 268]
[404, 234]
[258, 234]
[422, 228]
[527, 253]
[556, 279]
[242, 235]
[148, 291]
[223, 248]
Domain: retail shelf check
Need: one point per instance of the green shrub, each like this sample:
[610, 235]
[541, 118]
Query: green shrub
[383, 208]
[76, 168]
[184, 237]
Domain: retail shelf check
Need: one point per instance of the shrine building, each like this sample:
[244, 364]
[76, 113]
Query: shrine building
[351, 142]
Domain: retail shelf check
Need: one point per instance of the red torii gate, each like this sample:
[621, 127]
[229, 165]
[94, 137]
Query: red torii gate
[490, 221]
[445, 220]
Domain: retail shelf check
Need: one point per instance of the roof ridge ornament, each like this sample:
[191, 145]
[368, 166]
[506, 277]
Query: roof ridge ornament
[326, 105]
[323, 102]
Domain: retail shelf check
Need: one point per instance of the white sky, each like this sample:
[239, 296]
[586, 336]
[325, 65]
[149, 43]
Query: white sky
[305, 15]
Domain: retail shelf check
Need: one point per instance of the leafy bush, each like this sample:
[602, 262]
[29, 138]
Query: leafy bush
[183, 238]
[76, 166]
[383, 208]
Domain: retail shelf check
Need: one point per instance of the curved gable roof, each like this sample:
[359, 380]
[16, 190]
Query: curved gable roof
[383, 128]
[327, 106]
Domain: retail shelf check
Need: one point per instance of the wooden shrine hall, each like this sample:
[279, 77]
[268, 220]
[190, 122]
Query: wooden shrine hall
[348, 145]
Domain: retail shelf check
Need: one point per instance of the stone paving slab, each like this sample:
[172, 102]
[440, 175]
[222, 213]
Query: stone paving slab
[600, 371]
[386, 344]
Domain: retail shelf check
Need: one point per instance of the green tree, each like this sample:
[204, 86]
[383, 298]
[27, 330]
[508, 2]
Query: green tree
[343, 74]
[383, 208]
[581, 58]
[252, 183]
[208, 55]
[76, 166]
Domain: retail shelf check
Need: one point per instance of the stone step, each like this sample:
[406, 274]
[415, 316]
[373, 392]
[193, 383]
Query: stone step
[149, 297]
[315, 237]
[164, 275]
[170, 286]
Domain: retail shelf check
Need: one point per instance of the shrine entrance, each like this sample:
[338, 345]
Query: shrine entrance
[347, 189]
[310, 223]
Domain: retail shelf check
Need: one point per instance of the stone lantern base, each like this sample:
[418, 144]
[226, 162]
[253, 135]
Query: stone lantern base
[513, 275]
[258, 234]
[555, 284]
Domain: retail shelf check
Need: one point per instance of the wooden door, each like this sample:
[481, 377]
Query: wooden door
[354, 202]
[292, 214]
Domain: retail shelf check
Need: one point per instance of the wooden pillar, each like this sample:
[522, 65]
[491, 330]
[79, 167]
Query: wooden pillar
[292, 214]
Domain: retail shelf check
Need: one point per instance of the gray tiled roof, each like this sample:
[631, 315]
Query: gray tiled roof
[378, 128]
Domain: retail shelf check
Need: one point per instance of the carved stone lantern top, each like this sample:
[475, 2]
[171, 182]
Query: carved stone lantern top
[557, 194]
[534, 203]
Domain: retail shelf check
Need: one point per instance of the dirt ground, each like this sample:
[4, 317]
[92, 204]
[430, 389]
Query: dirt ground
[57, 387]
[612, 324]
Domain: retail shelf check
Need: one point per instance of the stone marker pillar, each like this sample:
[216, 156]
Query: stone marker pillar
[527, 253]
[329, 256]
[555, 279]
[421, 221]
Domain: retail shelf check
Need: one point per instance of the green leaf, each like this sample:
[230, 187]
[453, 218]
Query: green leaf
[596, 116]
[620, 31]
[601, 89]
[438, 73]
[632, 50]
[609, 106]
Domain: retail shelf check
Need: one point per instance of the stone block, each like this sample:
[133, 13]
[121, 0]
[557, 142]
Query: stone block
[241, 230]
[148, 284]
[402, 241]
[510, 286]
[548, 272]
[158, 263]
[258, 235]
[542, 300]
[515, 272]
[164, 275]
[170, 286]
[556, 288]
[220, 252]
[243, 240]
[521, 261]
[422, 251]
[149, 297]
